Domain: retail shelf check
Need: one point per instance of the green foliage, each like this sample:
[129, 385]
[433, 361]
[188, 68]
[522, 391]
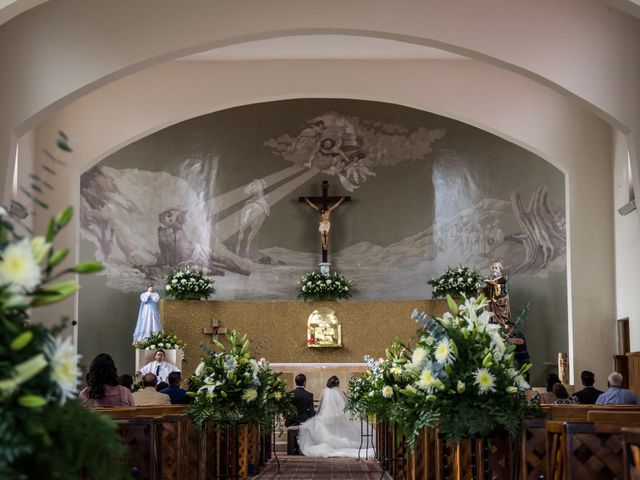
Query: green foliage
[316, 286]
[456, 282]
[44, 433]
[232, 387]
[461, 377]
[189, 283]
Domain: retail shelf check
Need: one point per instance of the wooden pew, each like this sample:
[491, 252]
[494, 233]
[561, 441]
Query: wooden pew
[591, 449]
[631, 440]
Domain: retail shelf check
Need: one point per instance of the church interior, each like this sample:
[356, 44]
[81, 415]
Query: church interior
[450, 134]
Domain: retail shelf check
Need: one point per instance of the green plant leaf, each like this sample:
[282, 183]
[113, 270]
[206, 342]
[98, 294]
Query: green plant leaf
[63, 218]
[58, 256]
[88, 267]
[453, 306]
[52, 230]
[54, 293]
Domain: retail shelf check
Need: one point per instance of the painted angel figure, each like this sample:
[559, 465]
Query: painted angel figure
[148, 316]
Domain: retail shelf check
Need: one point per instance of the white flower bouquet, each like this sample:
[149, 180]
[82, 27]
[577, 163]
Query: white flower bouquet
[162, 340]
[458, 281]
[231, 386]
[317, 286]
[189, 283]
[39, 374]
[462, 375]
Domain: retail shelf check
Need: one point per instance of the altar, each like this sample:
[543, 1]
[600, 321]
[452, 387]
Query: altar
[278, 331]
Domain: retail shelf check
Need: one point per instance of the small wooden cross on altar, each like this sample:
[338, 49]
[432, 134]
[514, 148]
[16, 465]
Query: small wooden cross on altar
[214, 330]
[325, 205]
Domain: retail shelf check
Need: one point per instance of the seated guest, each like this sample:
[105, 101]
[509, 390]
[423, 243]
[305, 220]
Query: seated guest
[159, 367]
[303, 401]
[589, 394]
[126, 381]
[616, 395]
[148, 394]
[176, 394]
[161, 386]
[548, 396]
[562, 396]
[103, 389]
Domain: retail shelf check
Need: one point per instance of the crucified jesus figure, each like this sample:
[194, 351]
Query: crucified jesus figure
[324, 224]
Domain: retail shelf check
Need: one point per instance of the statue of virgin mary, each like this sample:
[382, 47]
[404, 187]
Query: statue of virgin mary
[148, 316]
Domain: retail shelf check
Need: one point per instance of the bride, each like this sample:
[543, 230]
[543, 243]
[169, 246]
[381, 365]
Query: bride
[331, 433]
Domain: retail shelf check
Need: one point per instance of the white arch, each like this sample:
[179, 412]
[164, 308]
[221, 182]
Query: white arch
[65, 50]
[509, 105]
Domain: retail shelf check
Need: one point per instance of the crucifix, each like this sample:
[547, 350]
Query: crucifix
[325, 205]
[214, 330]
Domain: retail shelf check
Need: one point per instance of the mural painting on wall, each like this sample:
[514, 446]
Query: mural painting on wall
[420, 203]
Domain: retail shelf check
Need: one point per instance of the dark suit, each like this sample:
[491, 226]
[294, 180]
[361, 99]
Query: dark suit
[588, 395]
[177, 395]
[303, 401]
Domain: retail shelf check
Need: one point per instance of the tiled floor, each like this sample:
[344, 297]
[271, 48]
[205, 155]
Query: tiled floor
[311, 468]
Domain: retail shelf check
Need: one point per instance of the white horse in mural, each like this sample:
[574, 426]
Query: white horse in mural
[253, 213]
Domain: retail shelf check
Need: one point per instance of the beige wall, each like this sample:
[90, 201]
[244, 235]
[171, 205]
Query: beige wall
[627, 241]
[522, 111]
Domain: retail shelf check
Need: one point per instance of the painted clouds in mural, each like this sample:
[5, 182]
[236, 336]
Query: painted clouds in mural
[144, 221]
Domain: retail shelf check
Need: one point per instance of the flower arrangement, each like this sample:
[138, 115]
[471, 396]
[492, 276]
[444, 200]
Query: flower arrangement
[162, 340]
[43, 428]
[189, 283]
[460, 281]
[461, 377]
[374, 393]
[316, 286]
[232, 387]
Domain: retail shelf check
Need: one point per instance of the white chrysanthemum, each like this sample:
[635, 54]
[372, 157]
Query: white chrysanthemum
[396, 371]
[64, 367]
[444, 351]
[418, 358]
[428, 381]
[277, 395]
[249, 395]
[485, 380]
[387, 391]
[19, 268]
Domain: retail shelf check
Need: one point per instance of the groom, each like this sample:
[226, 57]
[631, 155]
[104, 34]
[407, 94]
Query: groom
[303, 402]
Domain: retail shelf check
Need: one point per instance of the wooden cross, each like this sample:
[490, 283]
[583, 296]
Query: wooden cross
[324, 204]
[215, 329]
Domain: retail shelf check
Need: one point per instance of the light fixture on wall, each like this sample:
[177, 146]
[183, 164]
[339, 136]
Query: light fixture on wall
[628, 208]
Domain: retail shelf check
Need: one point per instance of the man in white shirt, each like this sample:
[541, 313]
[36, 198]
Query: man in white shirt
[159, 368]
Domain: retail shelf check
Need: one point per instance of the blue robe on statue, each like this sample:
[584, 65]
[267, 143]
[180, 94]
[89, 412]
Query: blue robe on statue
[148, 317]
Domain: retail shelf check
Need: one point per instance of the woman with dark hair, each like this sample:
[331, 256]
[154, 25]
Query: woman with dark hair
[562, 396]
[549, 396]
[330, 433]
[103, 388]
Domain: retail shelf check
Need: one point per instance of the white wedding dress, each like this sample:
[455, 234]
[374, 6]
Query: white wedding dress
[331, 433]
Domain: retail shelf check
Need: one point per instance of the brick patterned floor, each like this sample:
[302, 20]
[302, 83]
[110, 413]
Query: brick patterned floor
[296, 467]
